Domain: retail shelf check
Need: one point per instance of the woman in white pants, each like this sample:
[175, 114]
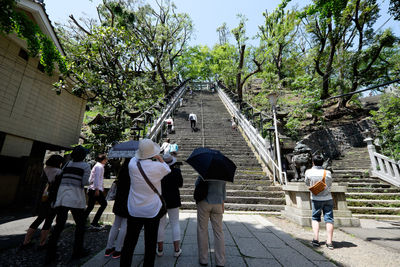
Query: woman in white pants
[170, 185]
[117, 233]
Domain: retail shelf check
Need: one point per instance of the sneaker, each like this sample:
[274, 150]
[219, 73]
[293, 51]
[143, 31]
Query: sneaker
[315, 243]
[159, 253]
[109, 252]
[177, 253]
[330, 246]
[116, 254]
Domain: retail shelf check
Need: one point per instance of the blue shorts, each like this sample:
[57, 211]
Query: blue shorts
[325, 206]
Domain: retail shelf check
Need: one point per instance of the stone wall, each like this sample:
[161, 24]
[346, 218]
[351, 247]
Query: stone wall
[332, 142]
[29, 107]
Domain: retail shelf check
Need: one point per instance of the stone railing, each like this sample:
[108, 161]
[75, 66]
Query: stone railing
[155, 132]
[253, 135]
[298, 205]
[383, 167]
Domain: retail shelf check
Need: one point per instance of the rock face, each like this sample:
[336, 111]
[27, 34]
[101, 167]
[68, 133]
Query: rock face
[332, 142]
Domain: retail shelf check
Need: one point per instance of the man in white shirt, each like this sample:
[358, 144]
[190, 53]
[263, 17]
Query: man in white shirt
[96, 189]
[321, 203]
[193, 120]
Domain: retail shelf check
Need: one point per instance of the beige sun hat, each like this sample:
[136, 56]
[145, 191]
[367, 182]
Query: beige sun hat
[169, 159]
[147, 149]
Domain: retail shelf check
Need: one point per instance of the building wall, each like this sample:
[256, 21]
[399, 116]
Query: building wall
[29, 107]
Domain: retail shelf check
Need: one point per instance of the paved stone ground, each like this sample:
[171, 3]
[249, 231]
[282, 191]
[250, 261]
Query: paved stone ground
[368, 245]
[251, 240]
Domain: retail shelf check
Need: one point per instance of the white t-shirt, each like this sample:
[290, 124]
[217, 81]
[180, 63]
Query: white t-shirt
[193, 117]
[142, 201]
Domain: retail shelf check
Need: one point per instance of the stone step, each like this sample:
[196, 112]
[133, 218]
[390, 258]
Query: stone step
[368, 185]
[373, 190]
[373, 203]
[367, 196]
[374, 210]
[243, 200]
[241, 207]
[378, 217]
[242, 193]
[355, 180]
[254, 187]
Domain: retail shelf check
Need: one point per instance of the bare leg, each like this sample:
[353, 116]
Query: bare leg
[176, 245]
[29, 235]
[43, 237]
[329, 232]
[315, 227]
[160, 246]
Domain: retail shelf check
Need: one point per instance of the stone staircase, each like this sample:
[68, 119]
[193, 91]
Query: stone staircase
[251, 191]
[367, 197]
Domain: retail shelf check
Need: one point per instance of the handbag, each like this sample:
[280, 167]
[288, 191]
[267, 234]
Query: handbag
[45, 195]
[163, 209]
[319, 186]
[112, 192]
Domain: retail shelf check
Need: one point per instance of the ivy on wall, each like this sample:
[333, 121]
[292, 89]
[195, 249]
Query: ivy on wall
[14, 21]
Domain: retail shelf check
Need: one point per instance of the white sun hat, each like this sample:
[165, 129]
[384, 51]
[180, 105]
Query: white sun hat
[169, 159]
[147, 149]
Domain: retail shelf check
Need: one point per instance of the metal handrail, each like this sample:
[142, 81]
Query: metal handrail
[258, 142]
[158, 124]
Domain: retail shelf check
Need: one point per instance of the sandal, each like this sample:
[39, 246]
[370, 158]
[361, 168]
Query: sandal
[315, 243]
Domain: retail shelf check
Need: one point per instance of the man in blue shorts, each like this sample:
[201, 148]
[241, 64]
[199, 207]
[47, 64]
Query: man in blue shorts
[322, 202]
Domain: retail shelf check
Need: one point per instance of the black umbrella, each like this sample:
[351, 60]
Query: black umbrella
[124, 150]
[212, 164]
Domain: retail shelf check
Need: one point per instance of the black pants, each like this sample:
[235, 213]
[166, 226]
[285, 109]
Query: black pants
[45, 213]
[150, 240]
[62, 215]
[192, 124]
[47, 218]
[92, 200]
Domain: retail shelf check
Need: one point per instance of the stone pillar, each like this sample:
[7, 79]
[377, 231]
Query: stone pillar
[371, 151]
[298, 205]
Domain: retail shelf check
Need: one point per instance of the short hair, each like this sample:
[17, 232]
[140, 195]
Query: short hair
[101, 157]
[318, 160]
[78, 153]
[55, 161]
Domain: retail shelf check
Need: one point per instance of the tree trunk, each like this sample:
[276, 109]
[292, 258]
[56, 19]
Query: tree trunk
[239, 86]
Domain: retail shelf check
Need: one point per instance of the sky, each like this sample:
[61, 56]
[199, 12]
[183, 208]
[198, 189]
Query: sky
[207, 15]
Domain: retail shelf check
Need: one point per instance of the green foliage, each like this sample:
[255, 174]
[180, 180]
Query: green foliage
[125, 64]
[14, 21]
[196, 63]
[387, 119]
[394, 9]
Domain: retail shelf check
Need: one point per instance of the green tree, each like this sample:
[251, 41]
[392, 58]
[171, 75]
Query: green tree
[110, 70]
[14, 21]
[161, 35]
[195, 63]
[366, 64]
[254, 60]
[394, 9]
[387, 119]
[278, 36]
[327, 22]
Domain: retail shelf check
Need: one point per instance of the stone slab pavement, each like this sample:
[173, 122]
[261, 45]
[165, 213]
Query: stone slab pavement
[383, 233]
[250, 240]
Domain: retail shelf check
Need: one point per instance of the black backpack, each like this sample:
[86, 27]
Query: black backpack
[200, 191]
